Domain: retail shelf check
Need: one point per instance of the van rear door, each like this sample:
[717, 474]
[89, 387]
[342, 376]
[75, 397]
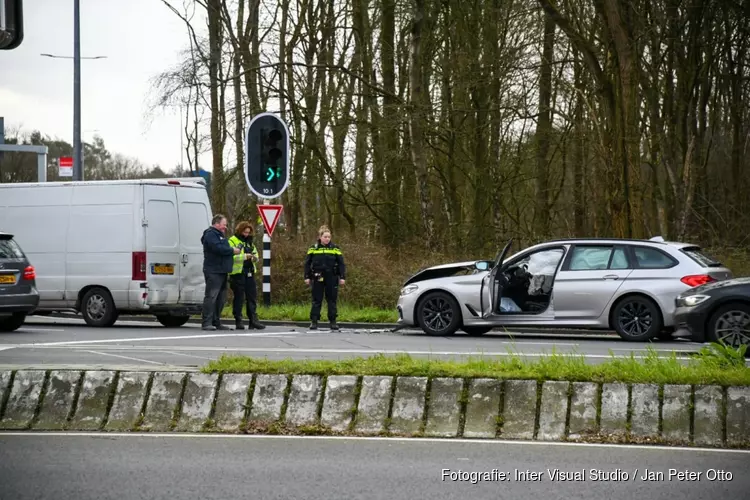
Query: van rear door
[162, 244]
[195, 217]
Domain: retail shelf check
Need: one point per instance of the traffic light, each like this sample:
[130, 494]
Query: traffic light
[11, 24]
[267, 155]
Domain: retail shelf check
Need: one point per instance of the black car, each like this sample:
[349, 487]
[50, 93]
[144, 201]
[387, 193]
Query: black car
[715, 312]
[18, 293]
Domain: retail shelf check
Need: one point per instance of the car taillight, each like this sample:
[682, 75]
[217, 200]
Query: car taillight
[697, 280]
[29, 273]
[139, 266]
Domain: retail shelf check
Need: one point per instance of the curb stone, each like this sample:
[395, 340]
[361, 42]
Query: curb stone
[710, 416]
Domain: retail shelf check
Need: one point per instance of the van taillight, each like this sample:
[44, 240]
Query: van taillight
[139, 266]
[29, 273]
[697, 280]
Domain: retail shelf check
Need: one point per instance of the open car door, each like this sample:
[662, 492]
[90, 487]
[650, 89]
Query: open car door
[488, 292]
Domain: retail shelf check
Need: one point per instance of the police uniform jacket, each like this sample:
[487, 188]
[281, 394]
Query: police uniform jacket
[325, 259]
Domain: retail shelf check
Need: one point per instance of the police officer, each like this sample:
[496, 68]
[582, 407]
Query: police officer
[242, 277]
[325, 270]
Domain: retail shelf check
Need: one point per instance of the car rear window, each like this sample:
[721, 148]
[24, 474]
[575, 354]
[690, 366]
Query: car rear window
[9, 249]
[701, 257]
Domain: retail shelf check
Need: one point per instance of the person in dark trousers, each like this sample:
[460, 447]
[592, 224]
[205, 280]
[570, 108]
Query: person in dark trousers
[217, 264]
[325, 270]
[242, 277]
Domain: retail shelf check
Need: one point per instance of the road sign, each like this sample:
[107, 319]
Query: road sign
[267, 156]
[270, 214]
[65, 165]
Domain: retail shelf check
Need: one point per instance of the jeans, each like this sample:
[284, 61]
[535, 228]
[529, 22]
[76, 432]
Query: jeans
[216, 295]
[245, 291]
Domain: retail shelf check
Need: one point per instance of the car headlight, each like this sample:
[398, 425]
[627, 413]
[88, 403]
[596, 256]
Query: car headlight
[409, 289]
[692, 300]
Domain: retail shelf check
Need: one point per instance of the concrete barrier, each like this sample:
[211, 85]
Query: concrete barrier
[711, 416]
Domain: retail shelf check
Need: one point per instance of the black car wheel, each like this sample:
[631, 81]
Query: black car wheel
[439, 314]
[476, 331]
[637, 319]
[98, 308]
[730, 325]
[12, 322]
[172, 321]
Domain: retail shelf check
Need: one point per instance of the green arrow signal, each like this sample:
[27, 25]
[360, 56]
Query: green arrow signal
[269, 174]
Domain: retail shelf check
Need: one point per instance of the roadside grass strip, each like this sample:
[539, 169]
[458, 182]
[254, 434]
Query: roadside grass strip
[654, 400]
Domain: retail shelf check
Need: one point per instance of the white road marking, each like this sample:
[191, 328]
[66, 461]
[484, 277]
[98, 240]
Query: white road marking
[143, 339]
[5, 348]
[446, 442]
[126, 357]
[186, 355]
[348, 351]
[34, 330]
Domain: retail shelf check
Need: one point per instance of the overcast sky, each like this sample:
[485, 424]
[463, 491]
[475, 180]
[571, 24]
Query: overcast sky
[140, 38]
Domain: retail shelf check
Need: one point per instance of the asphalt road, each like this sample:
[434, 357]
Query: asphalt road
[68, 342]
[34, 466]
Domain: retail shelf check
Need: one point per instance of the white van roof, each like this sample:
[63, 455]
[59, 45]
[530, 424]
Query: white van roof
[179, 181]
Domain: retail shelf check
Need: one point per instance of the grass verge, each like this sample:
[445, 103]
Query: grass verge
[301, 312]
[715, 364]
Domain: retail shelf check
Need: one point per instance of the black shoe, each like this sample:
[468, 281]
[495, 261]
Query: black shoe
[314, 325]
[254, 323]
[208, 328]
[222, 327]
[238, 325]
[334, 326]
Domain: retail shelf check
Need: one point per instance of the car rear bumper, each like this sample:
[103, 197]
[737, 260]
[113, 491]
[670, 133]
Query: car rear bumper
[26, 302]
[690, 322]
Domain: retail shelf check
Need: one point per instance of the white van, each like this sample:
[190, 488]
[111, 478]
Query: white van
[103, 248]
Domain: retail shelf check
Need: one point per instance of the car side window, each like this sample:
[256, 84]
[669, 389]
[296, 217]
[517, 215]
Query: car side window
[651, 258]
[591, 258]
[619, 259]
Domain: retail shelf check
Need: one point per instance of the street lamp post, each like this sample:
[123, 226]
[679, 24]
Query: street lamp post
[77, 147]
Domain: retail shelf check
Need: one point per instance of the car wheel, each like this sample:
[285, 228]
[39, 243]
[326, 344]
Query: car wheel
[12, 322]
[637, 319]
[730, 325]
[172, 321]
[476, 331]
[98, 308]
[439, 314]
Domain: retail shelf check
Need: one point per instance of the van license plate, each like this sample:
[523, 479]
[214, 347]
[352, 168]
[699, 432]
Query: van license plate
[162, 269]
[8, 279]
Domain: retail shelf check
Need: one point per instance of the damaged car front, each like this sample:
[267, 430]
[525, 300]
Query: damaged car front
[457, 278]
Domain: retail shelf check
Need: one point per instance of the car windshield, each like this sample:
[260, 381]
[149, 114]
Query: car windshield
[9, 249]
[701, 257]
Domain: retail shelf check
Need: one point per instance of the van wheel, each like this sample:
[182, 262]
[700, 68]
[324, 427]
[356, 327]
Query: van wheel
[12, 322]
[172, 321]
[98, 308]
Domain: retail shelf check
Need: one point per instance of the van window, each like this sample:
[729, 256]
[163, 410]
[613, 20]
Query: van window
[701, 257]
[9, 249]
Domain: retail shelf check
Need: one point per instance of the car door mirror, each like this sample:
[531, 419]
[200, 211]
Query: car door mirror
[482, 265]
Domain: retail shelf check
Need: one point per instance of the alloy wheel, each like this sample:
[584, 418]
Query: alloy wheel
[635, 318]
[437, 313]
[96, 307]
[733, 328]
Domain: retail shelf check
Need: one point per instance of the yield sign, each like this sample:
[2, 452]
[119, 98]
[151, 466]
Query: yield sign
[270, 215]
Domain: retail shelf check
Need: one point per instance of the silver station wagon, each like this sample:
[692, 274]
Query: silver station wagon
[624, 285]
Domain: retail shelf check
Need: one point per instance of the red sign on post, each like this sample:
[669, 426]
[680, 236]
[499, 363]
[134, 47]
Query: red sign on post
[270, 214]
[65, 164]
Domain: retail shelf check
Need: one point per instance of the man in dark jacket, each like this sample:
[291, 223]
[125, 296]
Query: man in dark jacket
[217, 264]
